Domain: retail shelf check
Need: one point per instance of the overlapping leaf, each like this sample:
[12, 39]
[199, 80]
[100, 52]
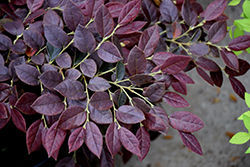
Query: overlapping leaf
[207, 64]
[114, 8]
[238, 87]
[72, 74]
[240, 43]
[33, 38]
[100, 116]
[108, 52]
[5, 42]
[230, 59]
[141, 104]
[155, 91]
[130, 28]
[88, 68]
[180, 87]
[244, 66]
[217, 78]
[120, 71]
[112, 139]
[64, 60]
[55, 36]
[204, 75]
[176, 29]
[101, 101]
[5, 91]
[15, 27]
[4, 74]
[106, 159]
[136, 61]
[153, 122]
[52, 18]
[50, 79]
[3, 111]
[199, 49]
[24, 102]
[140, 79]
[215, 9]
[175, 64]
[98, 84]
[129, 114]
[175, 100]
[160, 57]
[33, 5]
[28, 74]
[18, 120]
[19, 47]
[169, 11]
[144, 142]
[217, 32]
[76, 139]
[150, 11]
[188, 13]
[52, 51]
[183, 77]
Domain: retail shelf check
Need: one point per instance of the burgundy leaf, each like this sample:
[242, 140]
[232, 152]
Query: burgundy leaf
[38, 26]
[207, 64]
[81, 103]
[160, 57]
[130, 28]
[5, 42]
[64, 60]
[66, 162]
[129, 12]
[150, 11]
[136, 61]
[204, 75]
[189, 13]
[76, 139]
[240, 43]
[230, 59]
[71, 89]
[48, 104]
[114, 8]
[153, 122]
[73, 16]
[106, 159]
[129, 141]
[34, 135]
[15, 27]
[183, 77]
[215, 9]
[34, 15]
[217, 78]
[24, 102]
[94, 139]
[141, 104]
[18, 2]
[130, 39]
[5, 91]
[180, 87]
[84, 39]
[33, 5]
[19, 47]
[88, 68]
[3, 122]
[18, 120]
[98, 84]
[140, 79]
[175, 100]
[50, 79]
[155, 91]
[175, 64]
[244, 66]
[108, 52]
[3, 111]
[72, 74]
[33, 38]
[100, 116]
[144, 142]
[104, 21]
[217, 32]
[71, 118]
[199, 49]
[149, 40]
[54, 139]
[101, 101]
[191, 142]
[55, 36]
[112, 139]
[92, 7]
[169, 11]
[28, 74]
[129, 114]
[238, 87]
[13, 96]
[176, 29]
[4, 74]
[52, 18]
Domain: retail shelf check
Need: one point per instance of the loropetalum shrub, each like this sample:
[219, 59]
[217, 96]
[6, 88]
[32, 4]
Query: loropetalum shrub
[94, 70]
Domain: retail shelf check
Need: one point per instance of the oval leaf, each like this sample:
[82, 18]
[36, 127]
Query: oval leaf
[215, 9]
[100, 116]
[217, 32]
[112, 139]
[207, 64]
[153, 122]
[155, 91]
[18, 120]
[144, 142]
[108, 52]
[33, 38]
[199, 49]
[76, 139]
[230, 59]
[52, 18]
[33, 5]
[188, 13]
[240, 43]
[88, 68]
[55, 36]
[98, 84]
[169, 11]
[136, 61]
[238, 87]
[64, 60]
[15, 27]
[24, 102]
[129, 114]
[5, 42]
[28, 74]
[175, 100]
[50, 79]
[101, 101]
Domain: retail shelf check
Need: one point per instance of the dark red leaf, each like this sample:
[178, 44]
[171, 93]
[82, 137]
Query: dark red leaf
[189, 13]
[15, 27]
[176, 29]
[141, 104]
[114, 8]
[140, 79]
[204, 75]
[180, 87]
[92, 7]
[129, 12]
[88, 68]
[130, 39]
[50, 79]
[33, 5]
[183, 77]
[230, 59]
[24, 102]
[129, 114]
[1, 60]
[238, 87]
[5, 42]
[72, 74]
[129, 141]
[109, 52]
[64, 60]
[144, 142]
[155, 91]
[18, 120]
[175, 100]
[5, 91]
[54, 139]
[55, 36]
[217, 78]
[33, 38]
[4, 74]
[106, 158]
[3, 122]
[150, 11]
[240, 43]
[215, 9]
[101, 101]
[153, 122]
[98, 84]
[130, 28]
[18, 2]
[84, 40]
[34, 135]
[76, 139]
[136, 61]
[71, 89]
[207, 64]
[52, 18]
[34, 15]
[244, 66]
[217, 32]
[199, 49]
[81, 103]
[149, 40]
[38, 26]
[169, 11]
[112, 139]
[160, 57]
[94, 139]
[71, 118]
[3, 111]
[28, 74]
[66, 162]
[100, 116]
[19, 47]
[48, 104]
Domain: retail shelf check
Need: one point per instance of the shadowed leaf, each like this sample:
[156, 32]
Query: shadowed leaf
[15, 27]
[106, 159]
[169, 11]
[5, 91]
[100, 101]
[141, 79]
[120, 71]
[144, 142]
[3, 111]
[4, 74]
[175, 100]
[199, 49]
[52, 51]
[238, 87]
[76, 139]
[114, 8]
[217, 78]
[244, 66]
[50, 79]
[18, 120]
[175, 64]
[204, 75]
[5, 42]
[230, 59]
[130, 28]
[207, 64]
[64, 60]
[24, 103]
[108, 52]
[155, 91]
[112, 139]
[188, 13]
[28, 74]
[153, 122]
[183, 77]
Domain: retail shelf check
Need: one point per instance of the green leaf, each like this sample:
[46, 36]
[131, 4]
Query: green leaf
[230, 32]
[248, 151]
[237, 53]
[120, 71]
[122, 99]
[78, 57]
[240, 138]
[234, 3]
[52, 51]
[246, 120]
[247, 99]
[246, 6]
[238, 31]
[247, 113]
[248, 50]
[243, 24]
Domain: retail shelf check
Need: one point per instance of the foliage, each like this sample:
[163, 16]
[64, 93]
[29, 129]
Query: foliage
[94, 70]
[243, 137]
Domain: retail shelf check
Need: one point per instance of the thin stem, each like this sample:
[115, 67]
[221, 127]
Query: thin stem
[105, 72]
[26, 16]
[44, 121]
[40, 50]
[7, 56]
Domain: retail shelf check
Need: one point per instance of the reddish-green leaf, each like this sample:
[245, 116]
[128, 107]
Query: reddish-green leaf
[5, 42]
[217, 32]
[33, 38]
[100, 116]
[109, 52]
[33, 5]
[28, 74]
[189, 13]
[238, 87]
[176, 29]
[48, 104]
[18, 120]
[230, 59]
[50, 79]
[129, 114]
[215, 9]
[207, 64]
[204, 75]
[191, 142]
[88, 68]
[169, 11]
[94, 139]
[71, 89]
[24, 102]
[149, 40]
[52, 18]
[101, 101]
[144, 142]
[199, 49]
[34, 135]
[155, 91]
[112, 139]
[130, 28]
[175, 64]
[98, 84]
[136, 61]
[15, 27]
[55, 36]
[76, 139]
[160, 57]
[153, 122]
[240, 43]
[129, 141]
[64, 60]
[175, 100]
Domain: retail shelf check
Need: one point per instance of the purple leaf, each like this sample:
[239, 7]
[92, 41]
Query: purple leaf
[217, 78]
[52, 18]
[15, 27]
[101, 101]
[150, 11]
[215, 9]
[244, 66]
[240, 43]
[5, 42]
[155, 91]
[153, 122]
[112, 139]
[24, 102]
[176, 29]
[3, 111]
[18, 120]
[204, 75]
[100, 116]
[33, 38]
[175, 100]
[188, 13]
[199, 49]
[169, 11]
[140, 79]
[230, 59]
[207, 64]
[4, 74]
[98, 84]
[144, 142]
[183, 77]
[114, 8]
[19, 47]
[180, 87]
[238, 87]
[130, 28]
[55, 36]
[108, 52]
[106, 158]
[3, 122]
[81, 103]
[175, 64]
[38, 26]
[129, 114]
[76, 139]
[217, 32]
[136, 61]
[28, 74]
[64, 60]
[92, 7]
[5, 91]
[34, 15]
[88, 68]
[160, 57]
[33, 5]
[72, 74]
[50, 79]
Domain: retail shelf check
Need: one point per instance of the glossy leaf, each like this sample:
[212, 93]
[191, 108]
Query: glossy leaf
[71, 89]
[129, 12]
[28, 74]
[112, 139]
[240, 43]
[175, 64]
[144, 142]
[175, 100]
[98, 84]
[199, 49]
[94, 139]
[24, 103]
[129, 141]
[238, 87]
[33, 5]
[108, 52]
[191, 142]
[140, 79]
[217, 32]
[130, 28]
[188, 13]
[101, 101]
[55, 36]
[169, 11]
[15, 27]
[244, 66]
[100, 116]
[33, 38]
[48, 104]
[71, 118]
[64, 60]
[204, 75]
[88, 68]
[120, 71]
[5, 42]
[129, 114]
[4, 74]
[217, 78]
[207, 64]
[149, 40]
[84, 39]
[153, 122]
[230, 59]
[155, 91]
[136, 61]
[160, 57]
[215, 9]
[52, 18]
[76, 139]
[50, 79]
[18, 120]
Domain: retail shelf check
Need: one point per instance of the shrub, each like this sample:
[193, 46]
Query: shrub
[93, 71]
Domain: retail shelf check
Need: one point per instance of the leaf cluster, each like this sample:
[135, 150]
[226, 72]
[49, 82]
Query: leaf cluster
[93, 72]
